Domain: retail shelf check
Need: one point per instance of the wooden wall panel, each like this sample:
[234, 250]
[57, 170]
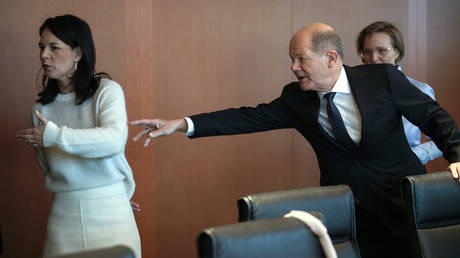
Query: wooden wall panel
[212, 55]
[442, 55]
[24, 203]
[139, 90]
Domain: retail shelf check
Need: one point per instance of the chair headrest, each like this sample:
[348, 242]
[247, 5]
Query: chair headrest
[435, 198]
[274, 237]
[336, 203]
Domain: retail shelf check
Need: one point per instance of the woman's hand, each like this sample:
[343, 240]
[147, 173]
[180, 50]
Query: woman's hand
[34, 136]
[135, 206]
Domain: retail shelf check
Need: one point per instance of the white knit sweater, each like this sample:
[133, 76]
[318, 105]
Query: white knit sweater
[85, 144]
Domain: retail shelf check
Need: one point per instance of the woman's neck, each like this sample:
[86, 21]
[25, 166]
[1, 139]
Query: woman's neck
[65, 87]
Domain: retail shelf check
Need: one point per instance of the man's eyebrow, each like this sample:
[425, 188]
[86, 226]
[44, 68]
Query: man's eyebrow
[303, 53]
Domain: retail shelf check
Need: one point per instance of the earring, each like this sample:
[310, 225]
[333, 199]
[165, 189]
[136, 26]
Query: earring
[75, 66]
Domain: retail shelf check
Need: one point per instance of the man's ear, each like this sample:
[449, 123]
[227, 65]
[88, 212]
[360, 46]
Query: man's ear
[77, 54]
[332, 57]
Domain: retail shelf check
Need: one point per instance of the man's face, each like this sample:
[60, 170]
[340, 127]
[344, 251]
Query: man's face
[309, 67]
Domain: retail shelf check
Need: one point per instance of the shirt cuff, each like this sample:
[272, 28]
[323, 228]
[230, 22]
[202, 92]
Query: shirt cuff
[50, 134]
[191, 126]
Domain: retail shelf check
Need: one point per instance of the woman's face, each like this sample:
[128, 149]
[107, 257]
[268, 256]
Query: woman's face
[57, 58]
[377, 49]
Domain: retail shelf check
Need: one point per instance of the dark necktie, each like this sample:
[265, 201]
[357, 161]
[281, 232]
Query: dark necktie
[338, 127]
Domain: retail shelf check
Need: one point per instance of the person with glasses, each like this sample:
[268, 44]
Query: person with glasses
[382, 43]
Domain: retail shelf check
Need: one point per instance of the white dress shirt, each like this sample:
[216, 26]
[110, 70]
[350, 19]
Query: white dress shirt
[346, 104]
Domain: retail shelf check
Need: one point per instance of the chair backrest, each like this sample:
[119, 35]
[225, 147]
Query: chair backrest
[433, 205]
[336, 203]
[268, 238]
[118, 251]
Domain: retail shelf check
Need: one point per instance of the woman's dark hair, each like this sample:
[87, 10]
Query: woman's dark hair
[385, 27]
[74, 32]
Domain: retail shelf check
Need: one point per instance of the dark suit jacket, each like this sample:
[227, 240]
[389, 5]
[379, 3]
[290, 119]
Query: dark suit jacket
[374, 169]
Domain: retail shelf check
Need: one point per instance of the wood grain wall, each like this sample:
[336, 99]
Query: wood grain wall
[179, 57]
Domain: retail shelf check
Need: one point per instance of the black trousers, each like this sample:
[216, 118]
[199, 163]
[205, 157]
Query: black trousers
[376, 240]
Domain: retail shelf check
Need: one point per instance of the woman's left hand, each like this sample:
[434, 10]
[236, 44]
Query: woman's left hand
[135, 206]
[34, 136]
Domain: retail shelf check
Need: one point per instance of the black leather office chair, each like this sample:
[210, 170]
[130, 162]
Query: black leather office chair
[267, 238]
[336, 203]
[433, 205]
[118, 251]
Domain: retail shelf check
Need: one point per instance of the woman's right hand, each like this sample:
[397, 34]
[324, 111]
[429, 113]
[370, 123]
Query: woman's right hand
[34, 136]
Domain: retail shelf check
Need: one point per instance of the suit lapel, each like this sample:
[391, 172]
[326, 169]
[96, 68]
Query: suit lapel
[307, 105]
[359, 84]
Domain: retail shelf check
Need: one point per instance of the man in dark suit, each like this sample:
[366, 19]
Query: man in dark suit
[352, 118]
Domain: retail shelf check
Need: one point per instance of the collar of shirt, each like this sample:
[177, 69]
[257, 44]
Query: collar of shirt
[346, 105]
[341, 85]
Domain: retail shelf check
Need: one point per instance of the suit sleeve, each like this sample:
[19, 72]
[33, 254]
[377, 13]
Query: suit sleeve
[426, 113]
[263, 117]
[426, 151]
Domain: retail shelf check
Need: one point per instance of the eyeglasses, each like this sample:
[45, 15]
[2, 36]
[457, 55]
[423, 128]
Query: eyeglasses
[381, 51]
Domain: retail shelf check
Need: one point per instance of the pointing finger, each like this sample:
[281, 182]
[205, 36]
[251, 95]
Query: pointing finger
[140, 135]
[147, 141]
[141, 122]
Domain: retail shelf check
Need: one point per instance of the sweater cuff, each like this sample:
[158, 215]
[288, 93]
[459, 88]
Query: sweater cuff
[50, 134]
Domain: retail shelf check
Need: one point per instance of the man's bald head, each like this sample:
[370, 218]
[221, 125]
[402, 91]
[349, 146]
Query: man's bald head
[318, 37]
[316, 52]
[312, 28]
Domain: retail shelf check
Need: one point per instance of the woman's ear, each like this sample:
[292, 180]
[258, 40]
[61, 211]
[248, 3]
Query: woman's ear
[396, 55]
[77, 54]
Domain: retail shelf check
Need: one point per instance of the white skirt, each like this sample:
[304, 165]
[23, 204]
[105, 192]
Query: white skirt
[91, 219]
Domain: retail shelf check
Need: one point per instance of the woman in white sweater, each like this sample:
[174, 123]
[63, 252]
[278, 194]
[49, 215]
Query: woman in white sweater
[79, 135]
